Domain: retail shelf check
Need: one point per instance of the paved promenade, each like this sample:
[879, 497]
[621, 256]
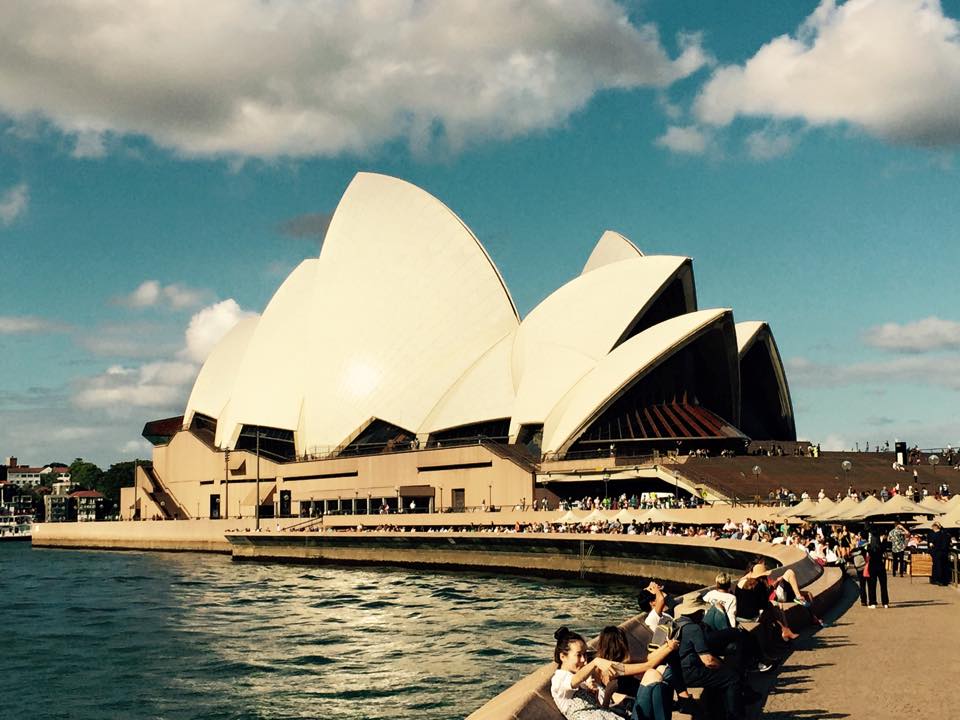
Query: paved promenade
[878, 664]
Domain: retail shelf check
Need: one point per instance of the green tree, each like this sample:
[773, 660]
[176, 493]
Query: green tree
[85, 474]
[117, 476]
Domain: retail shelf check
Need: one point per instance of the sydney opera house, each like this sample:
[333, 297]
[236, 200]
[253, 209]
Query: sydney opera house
[394, 371]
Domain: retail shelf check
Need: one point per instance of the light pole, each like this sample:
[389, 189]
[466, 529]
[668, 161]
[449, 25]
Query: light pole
[257, 499]
[226, 482]
[756, 475]
[606, 480]
[934, 460]
[133, 513]
[846, 466]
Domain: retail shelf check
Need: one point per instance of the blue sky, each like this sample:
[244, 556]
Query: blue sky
[161, 171]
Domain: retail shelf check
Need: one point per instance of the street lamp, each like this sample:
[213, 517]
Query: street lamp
[257, 499]
[226, 482]
[846, 466]
[606, 480]
[756, 475]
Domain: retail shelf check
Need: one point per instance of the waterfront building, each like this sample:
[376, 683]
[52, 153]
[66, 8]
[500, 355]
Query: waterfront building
[393, 373]
[27, 476]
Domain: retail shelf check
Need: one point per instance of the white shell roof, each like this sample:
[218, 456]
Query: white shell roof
[401, 303]
[747, 332]
[617, 371]
[484, 392]
[213, 386]
[565, 336]
[405, 318]
[268, 388]
[610, 248]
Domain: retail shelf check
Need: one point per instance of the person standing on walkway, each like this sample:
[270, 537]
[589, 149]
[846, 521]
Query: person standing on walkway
[939, 550]
[876, 570]
[898, 545]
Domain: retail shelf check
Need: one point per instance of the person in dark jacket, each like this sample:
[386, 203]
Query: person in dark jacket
[940, 550]
[877, 547]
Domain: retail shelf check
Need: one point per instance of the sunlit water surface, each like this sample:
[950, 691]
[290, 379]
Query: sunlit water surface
[96, 635]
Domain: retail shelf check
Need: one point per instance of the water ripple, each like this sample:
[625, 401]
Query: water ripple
[183, 636]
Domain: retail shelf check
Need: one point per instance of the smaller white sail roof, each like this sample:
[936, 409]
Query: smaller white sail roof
[610, 248]
[214, 383]
[565, 336]
[616, 372]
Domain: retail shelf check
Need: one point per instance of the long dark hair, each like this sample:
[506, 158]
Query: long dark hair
[613, 644]
[565, 637]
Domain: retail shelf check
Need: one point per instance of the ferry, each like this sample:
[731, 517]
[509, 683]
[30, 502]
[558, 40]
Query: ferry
[15, 527]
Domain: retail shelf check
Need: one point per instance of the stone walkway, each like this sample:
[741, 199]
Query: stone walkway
[877, 664]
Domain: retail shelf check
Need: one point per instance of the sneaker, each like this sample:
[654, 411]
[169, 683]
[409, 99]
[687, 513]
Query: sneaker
[886, 607]
[763, 667]
[872, 607]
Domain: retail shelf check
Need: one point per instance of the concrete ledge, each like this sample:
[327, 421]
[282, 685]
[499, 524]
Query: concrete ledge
[689, 561]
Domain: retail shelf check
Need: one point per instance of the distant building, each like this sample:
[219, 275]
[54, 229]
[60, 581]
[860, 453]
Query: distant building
[90, 505]
[27, 476]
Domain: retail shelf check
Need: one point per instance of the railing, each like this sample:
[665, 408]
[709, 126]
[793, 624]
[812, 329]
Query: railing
[602, 454]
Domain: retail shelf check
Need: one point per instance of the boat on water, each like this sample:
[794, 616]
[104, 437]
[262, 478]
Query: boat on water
[15, 527]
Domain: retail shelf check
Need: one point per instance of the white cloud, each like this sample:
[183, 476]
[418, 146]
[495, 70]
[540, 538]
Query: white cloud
[162, 385]
[14, 203]
[768, 144]
[135, 448]
[891, 67]
[687, 140]
[933, 370]
[159, 385]
[924, 335]
[127, 340]
[311, 77]
[209, 325]
[836, 442]
[88, 144]
[24, 324]
[150, 293]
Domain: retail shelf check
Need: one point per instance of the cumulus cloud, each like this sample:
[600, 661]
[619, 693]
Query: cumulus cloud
[924, 335]
[150, 293]
[28, 324]
[126, 340]
[159, 385]
[891, 67]
[688, 140]
[768, 144]
[313, 77]
[162, 385]
[934, 370]
[14, 203]
[209, 325]
[89, 144]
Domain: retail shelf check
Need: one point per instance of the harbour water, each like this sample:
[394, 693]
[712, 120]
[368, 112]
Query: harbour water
[99, 635]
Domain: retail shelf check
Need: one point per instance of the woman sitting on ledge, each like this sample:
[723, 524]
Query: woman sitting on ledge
[574, 687]
[654, 693]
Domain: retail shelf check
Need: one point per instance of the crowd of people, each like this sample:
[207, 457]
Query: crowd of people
[701, 643]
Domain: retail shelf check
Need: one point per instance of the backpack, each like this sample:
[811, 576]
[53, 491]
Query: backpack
[666, 630]
[716, 618]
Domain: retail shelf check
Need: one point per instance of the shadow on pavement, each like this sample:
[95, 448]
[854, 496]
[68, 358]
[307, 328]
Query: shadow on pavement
[794, 680]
